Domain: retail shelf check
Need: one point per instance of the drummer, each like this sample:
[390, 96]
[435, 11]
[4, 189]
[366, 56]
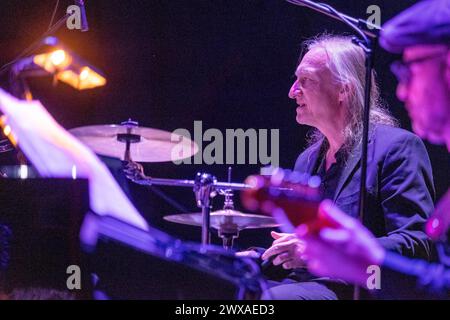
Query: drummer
[329, 96]
[422, 34]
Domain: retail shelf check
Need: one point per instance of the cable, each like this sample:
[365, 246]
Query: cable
[53, 14]
[348, 22]
[168, 199]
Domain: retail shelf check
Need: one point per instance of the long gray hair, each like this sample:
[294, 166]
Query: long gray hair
[347, 64]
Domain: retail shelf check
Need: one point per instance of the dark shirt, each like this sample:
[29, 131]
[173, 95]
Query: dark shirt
[330, 177]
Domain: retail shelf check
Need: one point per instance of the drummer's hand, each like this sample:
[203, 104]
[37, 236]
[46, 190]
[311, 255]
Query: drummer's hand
[287, 251]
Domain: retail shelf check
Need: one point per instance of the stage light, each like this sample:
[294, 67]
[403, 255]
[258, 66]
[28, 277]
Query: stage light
[57, 57]
[64, 64]
[53, 61]
[7, 130]
[85, 79]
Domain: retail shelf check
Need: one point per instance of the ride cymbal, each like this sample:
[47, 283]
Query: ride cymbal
[145, 144]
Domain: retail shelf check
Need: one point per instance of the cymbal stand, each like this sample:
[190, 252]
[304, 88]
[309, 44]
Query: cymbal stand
[204, 192]
[228, 231]
[128, 138]
[205, 187]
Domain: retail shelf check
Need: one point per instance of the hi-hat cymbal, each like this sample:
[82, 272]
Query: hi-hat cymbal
[226, 219]
[149, 145]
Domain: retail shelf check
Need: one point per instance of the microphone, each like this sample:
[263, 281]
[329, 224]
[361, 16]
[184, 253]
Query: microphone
[84, 23]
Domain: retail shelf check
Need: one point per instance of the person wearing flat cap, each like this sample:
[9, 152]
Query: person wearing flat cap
[422, 35]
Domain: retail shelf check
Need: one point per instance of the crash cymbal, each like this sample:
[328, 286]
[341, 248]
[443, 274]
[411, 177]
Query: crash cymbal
[226, 219]
[146, 144]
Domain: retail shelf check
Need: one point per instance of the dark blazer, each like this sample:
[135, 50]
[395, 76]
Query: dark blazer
[399, 185]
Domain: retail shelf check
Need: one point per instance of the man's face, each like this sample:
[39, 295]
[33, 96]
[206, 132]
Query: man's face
[314, 90]
[427, 93]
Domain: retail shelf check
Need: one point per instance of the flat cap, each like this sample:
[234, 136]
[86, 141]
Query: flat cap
[426, 22]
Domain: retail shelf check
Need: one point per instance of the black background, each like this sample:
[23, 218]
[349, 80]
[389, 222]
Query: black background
[228, 63]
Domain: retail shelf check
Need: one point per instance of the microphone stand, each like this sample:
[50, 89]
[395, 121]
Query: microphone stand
[365, 30]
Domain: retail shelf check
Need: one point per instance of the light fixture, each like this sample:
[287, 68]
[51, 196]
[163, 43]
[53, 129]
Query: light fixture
[67, 67]
[60, 62]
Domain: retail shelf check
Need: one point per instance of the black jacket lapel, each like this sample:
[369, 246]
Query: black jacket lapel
[313, 157]
[349, 169]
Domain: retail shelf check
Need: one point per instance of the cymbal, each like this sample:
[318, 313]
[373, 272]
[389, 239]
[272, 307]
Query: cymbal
[151, 145]
[225, 219]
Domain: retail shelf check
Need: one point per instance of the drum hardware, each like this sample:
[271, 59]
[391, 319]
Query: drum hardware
[205, 187]
[133, 144]
[128, 138]
[228, 221]
[204, 192]
[228, 231]
[135, 172]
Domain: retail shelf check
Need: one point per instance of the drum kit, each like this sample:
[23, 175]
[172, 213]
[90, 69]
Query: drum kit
[135, 144]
